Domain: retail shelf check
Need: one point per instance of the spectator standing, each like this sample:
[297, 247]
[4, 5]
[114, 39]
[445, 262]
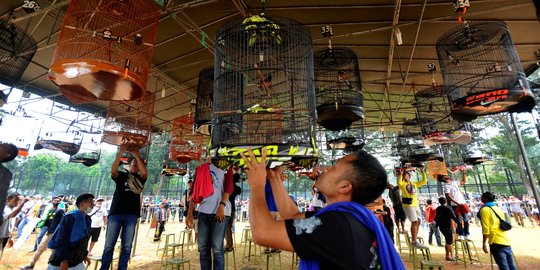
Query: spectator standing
[430, 220]
[161, 218]
[499, 244]
[12, 208]
[399, 213]
[99, 219]
[229, 232]
[517, 212]
[456, 199]
[387, 220]
[8, 152]
[70, 241]
[444, 216]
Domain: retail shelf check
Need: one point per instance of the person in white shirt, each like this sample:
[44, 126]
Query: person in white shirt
[99, 219]
[457, 201]
[515, 207]
[12, 208]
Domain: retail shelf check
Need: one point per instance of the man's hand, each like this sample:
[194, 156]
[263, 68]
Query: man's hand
[274, 175]
[256, 171]
[87, 261]
[122, 149]
[64, 265]
[220, 214]
[485, 248]
[189, 221]
[422, 169]
[136, 152]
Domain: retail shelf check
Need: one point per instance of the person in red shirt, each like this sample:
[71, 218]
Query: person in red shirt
[433, 229]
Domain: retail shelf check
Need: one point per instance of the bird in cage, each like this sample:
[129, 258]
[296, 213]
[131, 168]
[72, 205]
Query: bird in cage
[265, 83]
[262, 30]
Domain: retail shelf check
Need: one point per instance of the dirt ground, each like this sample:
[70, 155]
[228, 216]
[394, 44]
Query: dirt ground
[524, 244]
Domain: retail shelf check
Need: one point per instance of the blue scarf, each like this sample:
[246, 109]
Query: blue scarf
[78, 232]
[386, 253]
[489, 204]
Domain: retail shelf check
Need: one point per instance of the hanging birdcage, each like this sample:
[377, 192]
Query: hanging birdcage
[26, 130]
[69, 141]
[105, 49]
[90, 151]
[410, 147]
[129, 122]
[473, 154]
[436, 123]
[482, 71]
[348, 140]
[186, 144]
[203, 108]
[263, 92]
[16, 51]
[338, 88]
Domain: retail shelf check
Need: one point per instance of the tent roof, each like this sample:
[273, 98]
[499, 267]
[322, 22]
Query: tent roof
[389, 79]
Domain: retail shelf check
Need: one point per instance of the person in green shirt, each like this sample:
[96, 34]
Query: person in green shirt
[409, 199]
[499, 244]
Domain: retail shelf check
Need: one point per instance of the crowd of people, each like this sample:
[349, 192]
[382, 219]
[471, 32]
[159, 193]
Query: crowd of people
[342, 206]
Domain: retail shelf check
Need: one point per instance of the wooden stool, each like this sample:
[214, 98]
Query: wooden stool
[426, 254]
[465, 246]
[426, 264]
[227, 252]
[246, 234]
[248, 246]
[175, 262]
[272, 254]
[295, 261]
[399, 241]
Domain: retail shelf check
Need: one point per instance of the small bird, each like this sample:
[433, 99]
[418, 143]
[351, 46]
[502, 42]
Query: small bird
[265, 83]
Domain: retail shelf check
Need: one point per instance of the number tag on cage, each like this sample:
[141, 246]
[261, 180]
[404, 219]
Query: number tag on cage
[31, 6]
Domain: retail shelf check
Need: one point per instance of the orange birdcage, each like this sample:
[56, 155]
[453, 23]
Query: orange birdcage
[186, 145]
[105, 49]
[129, 122]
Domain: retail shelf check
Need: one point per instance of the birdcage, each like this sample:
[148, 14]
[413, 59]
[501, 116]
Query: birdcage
[410, 147]
[186, 144]
[105, 49]
[67, 141]
[338, 88]
[129, 122]
[16, 51]
[482, 71]
[90, 153]
[437, 125]
[473, 154]
[263, 92]
[203, 107]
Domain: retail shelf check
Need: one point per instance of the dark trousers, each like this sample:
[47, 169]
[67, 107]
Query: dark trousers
[503, 256]
[229, 233]
[159, 230]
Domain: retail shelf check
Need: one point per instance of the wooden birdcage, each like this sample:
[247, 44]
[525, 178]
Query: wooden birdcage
[105, 49]
[16, 51]
[263, 92]
[186, 144]
[434, 114]
[129, 122]
[481, 70]
[338, 88]
[203, 107]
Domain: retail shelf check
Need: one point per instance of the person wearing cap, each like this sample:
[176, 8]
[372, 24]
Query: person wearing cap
[8, 152]
[99, 219]
[125, 208]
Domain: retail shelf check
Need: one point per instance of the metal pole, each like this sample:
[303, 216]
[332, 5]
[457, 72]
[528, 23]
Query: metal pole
[509, 182]
[512, 181]
[477, 176]
[485, 176]
[525, 159]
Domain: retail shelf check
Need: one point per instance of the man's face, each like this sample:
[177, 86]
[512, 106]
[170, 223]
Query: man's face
[406, 176]
[13, 202]
[88, 204]
[327, 183]
[134, 168]
[98, 203]
[4, 153]
[55, 200]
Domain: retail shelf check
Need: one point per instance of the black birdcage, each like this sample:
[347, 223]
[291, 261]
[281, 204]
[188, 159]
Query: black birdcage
[482, 71]
[410, 147]
[338, 88]
[263, 92]
[473, 154]
[434, 115]
[16, 51]
[203, 107]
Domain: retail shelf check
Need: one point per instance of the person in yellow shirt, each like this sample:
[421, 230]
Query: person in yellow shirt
[410, 201]
[499, 244]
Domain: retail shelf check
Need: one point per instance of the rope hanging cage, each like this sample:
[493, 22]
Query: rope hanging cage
[338, 88]
[263, 92]
[16, 51]
[186, 145]
[129, 122]
[482, 71]
[434, 117]
[203, 107]
[105, 50]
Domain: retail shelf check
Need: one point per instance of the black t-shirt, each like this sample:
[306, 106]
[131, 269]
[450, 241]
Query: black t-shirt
[336, 240]
[444, 215]
[237, 190]
[124, 200]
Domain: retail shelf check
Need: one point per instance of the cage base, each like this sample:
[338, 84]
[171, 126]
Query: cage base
[417, 158]
[338, 117]
[346, 143]
[469, 108]
[304, 156]
[119, 138]
[55, 145]
[475, 160]
[88, 162]
[450, 137]
[186, 157]
[89, 78]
